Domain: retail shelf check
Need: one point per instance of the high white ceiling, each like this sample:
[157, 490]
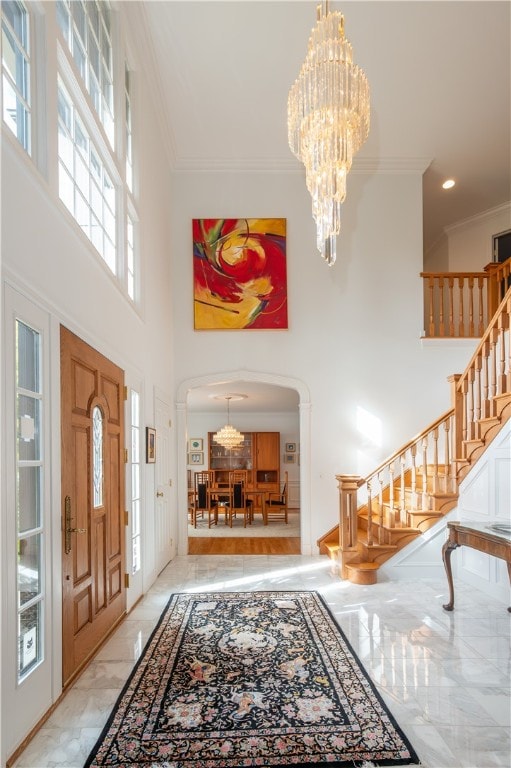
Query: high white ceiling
[439, 72]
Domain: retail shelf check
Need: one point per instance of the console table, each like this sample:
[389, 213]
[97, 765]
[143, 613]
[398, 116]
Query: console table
[478, 536]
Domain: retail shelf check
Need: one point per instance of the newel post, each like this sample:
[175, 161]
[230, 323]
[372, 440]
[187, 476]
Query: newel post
[492, 292]
[348, 487]
[457, 404]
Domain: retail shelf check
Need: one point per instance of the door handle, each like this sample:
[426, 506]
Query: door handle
[158, 494]
[68, 530]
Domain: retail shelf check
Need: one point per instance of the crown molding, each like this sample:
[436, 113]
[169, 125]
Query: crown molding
[385, 165]
[479, 217]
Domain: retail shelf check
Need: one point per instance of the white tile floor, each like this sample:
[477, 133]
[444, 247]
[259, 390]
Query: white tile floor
[444, 676]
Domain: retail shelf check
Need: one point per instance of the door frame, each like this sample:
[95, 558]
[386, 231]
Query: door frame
[304, 408]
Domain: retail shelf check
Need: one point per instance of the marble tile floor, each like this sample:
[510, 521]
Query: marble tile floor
[444, 676]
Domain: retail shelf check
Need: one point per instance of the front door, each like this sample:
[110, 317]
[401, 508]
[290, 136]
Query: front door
[93, 539]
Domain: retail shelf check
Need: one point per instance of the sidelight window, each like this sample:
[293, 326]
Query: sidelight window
[29, 498]
[135, 483]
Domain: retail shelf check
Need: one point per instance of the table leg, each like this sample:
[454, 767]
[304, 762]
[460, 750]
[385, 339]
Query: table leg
[446, 557]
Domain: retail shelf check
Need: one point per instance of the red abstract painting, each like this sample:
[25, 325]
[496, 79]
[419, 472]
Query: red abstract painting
[239, 274]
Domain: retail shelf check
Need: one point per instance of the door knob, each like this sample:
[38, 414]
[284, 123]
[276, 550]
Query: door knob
[158, 494]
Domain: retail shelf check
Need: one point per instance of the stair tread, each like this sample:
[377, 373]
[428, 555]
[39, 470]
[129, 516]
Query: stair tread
[363, 566]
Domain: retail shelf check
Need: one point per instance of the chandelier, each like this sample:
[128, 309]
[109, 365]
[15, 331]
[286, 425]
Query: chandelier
[228, 436]
[328, 115]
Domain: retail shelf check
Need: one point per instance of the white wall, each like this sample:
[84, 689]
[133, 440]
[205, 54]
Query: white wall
[354, 330]
[467, 245]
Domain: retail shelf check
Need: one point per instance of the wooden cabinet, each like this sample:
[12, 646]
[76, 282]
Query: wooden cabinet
[267, 459]
[259, 454]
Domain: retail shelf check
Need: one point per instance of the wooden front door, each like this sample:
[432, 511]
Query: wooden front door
[93, 538]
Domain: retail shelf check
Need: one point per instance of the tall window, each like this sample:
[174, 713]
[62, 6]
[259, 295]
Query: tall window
[85, 187]
[16, 71]
[135, 482]
[86, 27]
[29, 498]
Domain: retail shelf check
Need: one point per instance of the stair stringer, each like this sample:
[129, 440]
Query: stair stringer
[421, 558]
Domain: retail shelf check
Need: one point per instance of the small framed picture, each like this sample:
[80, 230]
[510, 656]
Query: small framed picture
[195, 444]
[150, 445]
[290, 447]
[196, 457]
[289, 458]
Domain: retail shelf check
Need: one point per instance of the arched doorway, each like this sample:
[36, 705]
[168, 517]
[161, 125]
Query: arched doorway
[233, 379]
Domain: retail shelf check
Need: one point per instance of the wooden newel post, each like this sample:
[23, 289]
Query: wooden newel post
[457, 404]
[348, 487]
[492, 298]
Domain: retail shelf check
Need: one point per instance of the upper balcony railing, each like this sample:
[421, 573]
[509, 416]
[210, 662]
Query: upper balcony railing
[461, 304]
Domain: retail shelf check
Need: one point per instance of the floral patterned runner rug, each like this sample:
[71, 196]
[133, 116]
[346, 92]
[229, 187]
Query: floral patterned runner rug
[231, 679]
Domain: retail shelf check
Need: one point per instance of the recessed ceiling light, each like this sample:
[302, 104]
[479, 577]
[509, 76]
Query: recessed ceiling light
[448, 184]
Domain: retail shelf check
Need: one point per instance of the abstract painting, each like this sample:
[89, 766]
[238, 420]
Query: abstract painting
[239, 274]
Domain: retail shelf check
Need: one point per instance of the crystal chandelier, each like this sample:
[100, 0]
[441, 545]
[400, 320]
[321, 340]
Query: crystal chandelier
[228, 436]
[328, 115]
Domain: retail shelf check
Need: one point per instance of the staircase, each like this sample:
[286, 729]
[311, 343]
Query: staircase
[416, 486]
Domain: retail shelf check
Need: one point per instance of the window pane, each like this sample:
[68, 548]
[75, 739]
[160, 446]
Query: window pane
[82, 213]
[135, 556]
[29, 498]
[66, 189]
[65, 111]
[27, 358]
[79, 56]
[65, 148]
[63, 19]
[135, 406]
[135, 445]
[135, 522]
[17, 17]
[29, 638]
[96, 234]
[29, 569]
[78, 12]
[135, 481]
[97, 450]
[16, 71]
[29, 448]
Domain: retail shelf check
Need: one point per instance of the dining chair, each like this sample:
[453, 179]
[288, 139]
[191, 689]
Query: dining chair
[203, 481]
[275, 505]
[238, 502]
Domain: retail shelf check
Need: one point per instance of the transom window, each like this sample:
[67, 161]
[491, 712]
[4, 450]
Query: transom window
[16, 71]
[85, 187]
[86, 27]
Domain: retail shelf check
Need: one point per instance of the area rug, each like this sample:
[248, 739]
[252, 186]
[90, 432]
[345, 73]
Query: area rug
[232, 679]
[275, 529]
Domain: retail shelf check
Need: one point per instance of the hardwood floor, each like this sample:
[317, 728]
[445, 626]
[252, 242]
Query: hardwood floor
[244, 545]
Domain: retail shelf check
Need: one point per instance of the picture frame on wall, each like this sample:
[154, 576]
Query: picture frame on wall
[289, 458]
[290, 447]
[150, 445]
[195, 444]
[196, 457]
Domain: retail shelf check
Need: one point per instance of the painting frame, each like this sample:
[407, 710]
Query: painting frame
[196, 458]
[290, 447]
[150, 445]
[195, 444]
[289, 458]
